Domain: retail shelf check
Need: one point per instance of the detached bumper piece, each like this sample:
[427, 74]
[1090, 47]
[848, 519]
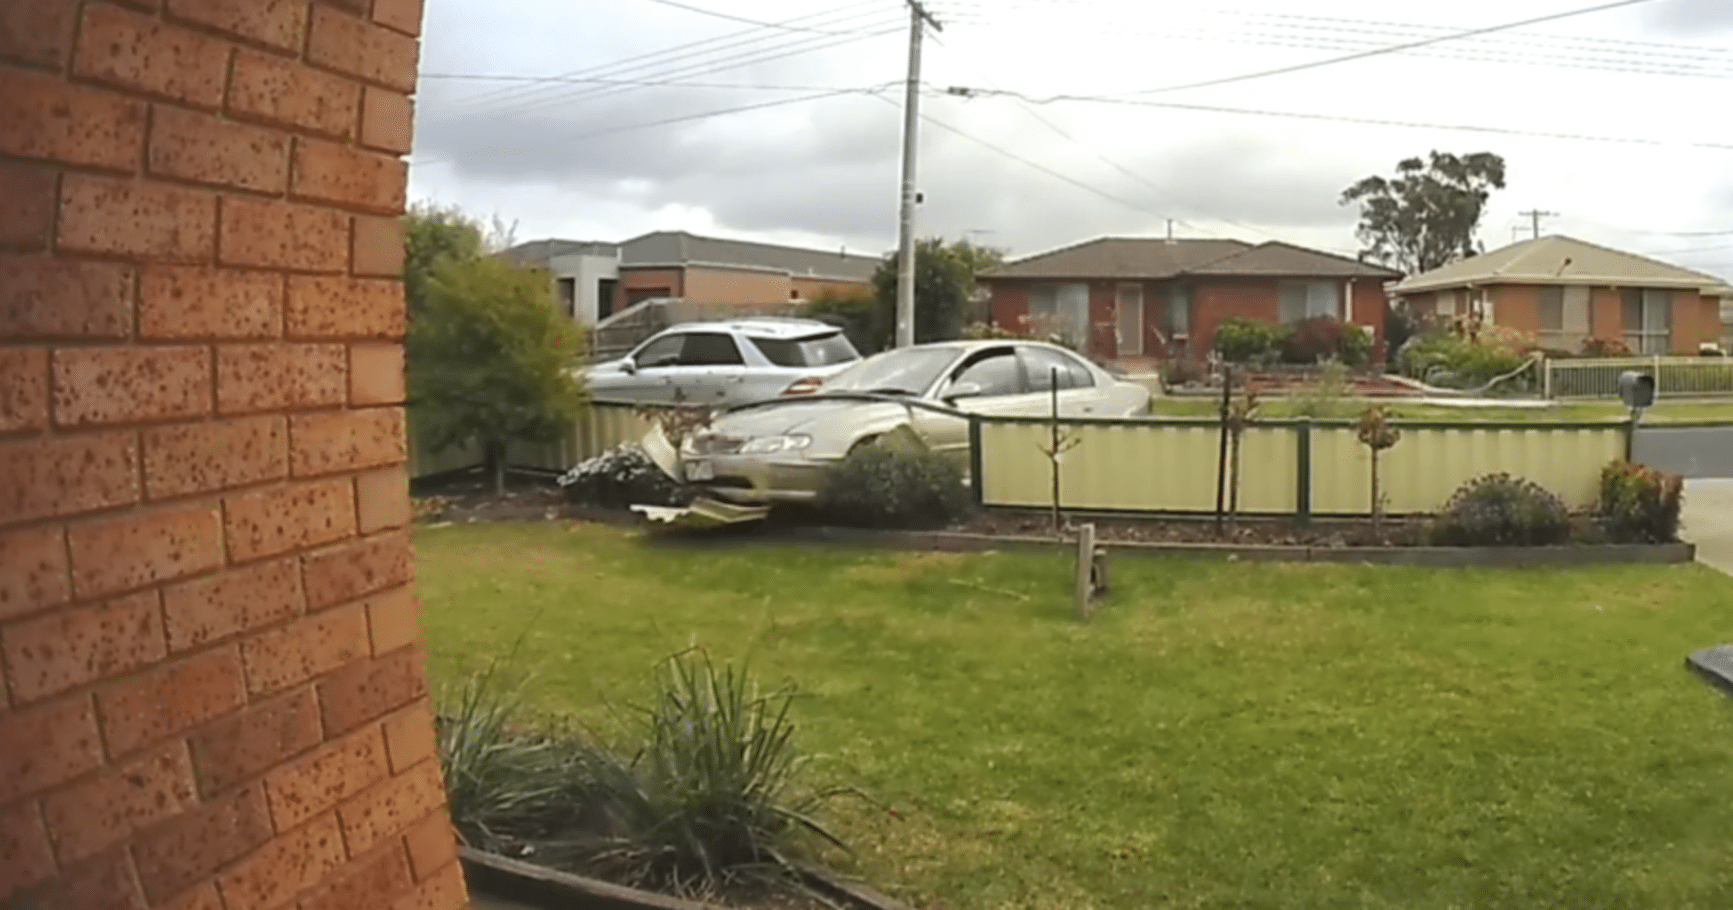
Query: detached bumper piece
[704, 513]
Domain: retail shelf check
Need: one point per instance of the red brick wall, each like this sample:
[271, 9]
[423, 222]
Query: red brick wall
[212, 691]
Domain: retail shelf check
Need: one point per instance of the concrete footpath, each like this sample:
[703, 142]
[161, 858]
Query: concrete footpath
[1708, 521]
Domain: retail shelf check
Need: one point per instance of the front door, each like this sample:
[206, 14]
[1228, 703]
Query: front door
[1128, 323]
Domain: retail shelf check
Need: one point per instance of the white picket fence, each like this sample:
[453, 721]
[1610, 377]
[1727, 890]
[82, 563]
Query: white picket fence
[1675, 377]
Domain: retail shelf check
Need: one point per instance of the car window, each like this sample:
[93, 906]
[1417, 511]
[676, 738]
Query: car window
[662, 352]
[996, 374]
[907, 371]
[813, 351]
[1041, 364]
[707, 349]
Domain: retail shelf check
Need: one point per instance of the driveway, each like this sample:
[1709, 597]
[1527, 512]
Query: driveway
[1708, 521]
[1690, 451]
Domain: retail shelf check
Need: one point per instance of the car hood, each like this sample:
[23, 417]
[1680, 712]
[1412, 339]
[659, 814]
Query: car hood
[833, 423]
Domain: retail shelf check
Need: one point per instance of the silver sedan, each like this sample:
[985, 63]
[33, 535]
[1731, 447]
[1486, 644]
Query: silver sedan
[778, 451]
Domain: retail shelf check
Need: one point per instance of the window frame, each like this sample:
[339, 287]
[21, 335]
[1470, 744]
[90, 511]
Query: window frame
[992, 355]
[678, 339]
[1073, 327]
[1639, 337]
[1557, 300]
[1308, 284]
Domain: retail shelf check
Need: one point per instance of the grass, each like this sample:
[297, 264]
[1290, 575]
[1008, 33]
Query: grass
[1579, 411]
[1224, 736]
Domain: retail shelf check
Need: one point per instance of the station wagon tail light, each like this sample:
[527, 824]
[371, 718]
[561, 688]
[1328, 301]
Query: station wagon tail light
[805, 385]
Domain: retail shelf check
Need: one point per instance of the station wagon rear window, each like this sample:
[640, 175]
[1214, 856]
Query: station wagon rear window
[812, 351]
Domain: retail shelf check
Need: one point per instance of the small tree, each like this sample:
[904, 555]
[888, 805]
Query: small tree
[433, 235]
[491, 360]
[1376, 434]
[944, 289]
[1240, 411]
[1058, 443]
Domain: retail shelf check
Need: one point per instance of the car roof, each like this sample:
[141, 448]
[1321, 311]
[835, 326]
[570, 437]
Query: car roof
[775, 327]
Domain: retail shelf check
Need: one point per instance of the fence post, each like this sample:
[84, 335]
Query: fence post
[1659, 389]
[977, 484]
[1303, 495]
[1546, 379]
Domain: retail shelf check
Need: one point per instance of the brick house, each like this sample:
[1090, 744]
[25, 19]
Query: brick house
[1564, 291]
[595, 280]
[1129, 298]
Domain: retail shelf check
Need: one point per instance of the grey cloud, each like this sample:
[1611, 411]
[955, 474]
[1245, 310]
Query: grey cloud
[1692, 17]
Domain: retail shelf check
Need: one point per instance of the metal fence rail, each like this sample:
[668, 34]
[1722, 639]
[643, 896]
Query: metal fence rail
[1675, 377]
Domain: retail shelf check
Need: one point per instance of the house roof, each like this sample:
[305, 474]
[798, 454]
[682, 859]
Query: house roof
[542, 251]
[679, 248]
[1156, 257]
[1561, 260]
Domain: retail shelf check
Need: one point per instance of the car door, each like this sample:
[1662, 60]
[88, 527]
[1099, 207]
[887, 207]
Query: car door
[710, 369]
[989, 382]
[1077, 395]
[651, 376]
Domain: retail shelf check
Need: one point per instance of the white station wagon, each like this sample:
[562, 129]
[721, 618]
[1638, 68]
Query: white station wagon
[723, 364]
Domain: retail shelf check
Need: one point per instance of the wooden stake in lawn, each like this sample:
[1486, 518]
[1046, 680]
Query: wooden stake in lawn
[1058, 444]
[1091, 574]
[1377, 434]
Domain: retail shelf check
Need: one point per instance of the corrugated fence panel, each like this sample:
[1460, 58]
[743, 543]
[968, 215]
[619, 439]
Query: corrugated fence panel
[600, 426]
[1428, 464]
[1136, 467]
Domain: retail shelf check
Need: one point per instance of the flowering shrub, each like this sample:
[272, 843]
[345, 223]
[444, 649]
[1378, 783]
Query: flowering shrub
[1639, 504]
[1499, 510]
[620, 478]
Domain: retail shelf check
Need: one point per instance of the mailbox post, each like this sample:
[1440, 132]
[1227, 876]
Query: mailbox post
[1637, 391]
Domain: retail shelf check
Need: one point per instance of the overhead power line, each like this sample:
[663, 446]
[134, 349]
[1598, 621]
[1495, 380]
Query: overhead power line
[732, 18]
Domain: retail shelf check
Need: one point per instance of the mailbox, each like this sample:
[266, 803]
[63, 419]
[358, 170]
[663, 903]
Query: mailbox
[1637, 390]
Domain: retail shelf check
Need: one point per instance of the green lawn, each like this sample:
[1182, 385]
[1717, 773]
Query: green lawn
[1666, 411]
[1225, 735]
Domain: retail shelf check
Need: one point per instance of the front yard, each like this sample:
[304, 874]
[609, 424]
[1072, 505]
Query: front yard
[1225, 735]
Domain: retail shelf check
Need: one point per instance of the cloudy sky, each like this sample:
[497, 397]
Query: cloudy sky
[603, 119]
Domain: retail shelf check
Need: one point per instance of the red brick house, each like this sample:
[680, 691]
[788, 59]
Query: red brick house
[1130, 298]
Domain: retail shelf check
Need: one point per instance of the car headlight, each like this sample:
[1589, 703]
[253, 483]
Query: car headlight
[770, 445]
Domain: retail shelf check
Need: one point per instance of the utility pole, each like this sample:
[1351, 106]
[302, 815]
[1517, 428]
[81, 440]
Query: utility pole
[1536, 215]
[919, 18]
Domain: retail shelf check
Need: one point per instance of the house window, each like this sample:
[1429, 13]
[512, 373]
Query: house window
[1446, 305]
[569, 296]
[1727, 324]
[1648, 320]
[1564, 318]
[1176, 314]
[1061, 309]
[1308, 299]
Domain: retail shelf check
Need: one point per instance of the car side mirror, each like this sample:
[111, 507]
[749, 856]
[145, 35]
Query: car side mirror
[628, 367]
[963, 390]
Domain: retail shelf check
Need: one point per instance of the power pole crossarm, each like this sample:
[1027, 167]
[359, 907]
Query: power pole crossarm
[919, 18]
[1536, 215]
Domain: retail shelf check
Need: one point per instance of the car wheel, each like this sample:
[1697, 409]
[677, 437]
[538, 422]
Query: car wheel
[862, 443]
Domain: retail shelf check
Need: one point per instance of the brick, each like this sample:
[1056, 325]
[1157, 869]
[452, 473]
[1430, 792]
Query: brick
[38, 33]
[283, 235]
[47, 118]
[105, 883]
[113, 385]
[72, 647]
[375, 881]
[320, 781]
[122, 801]
[131, 218]
[24, 389]
[292, 863]
[144, 548]
[376, 374]
[333, 441]
[444, 890]
[33, 572]
[193, 302]
[205, 149]
[387, 121]
[353, 45]
[338, 174]
[432, 845]
[46, 746]
[304, 649]
[387, 809]
[199, 457]
[27, 194]
[289, 518]
[62, 475]
[193, 847]
[139, 711]
[283, 93]
[138, 52]
[393, 620]
[269, 377]
[402, 15]
[382, 499]
[357, 569]
[55, 298]
[243, 746]
[369, 690]
[378, 247]
[25, 858]
[410, 735]
[345, 308]
[240, 600]
[277, 23]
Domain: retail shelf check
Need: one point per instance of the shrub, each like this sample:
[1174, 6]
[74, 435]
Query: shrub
[1240, 340]
[1454, 361]
[1605, 347]
[500, 782]
[881, 486]
[1639, 504]
[620, 478]
[1499, 510]
[1325, 338]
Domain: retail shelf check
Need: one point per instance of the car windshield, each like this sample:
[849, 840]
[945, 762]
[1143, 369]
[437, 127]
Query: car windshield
[910, 371]
[813, 351]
